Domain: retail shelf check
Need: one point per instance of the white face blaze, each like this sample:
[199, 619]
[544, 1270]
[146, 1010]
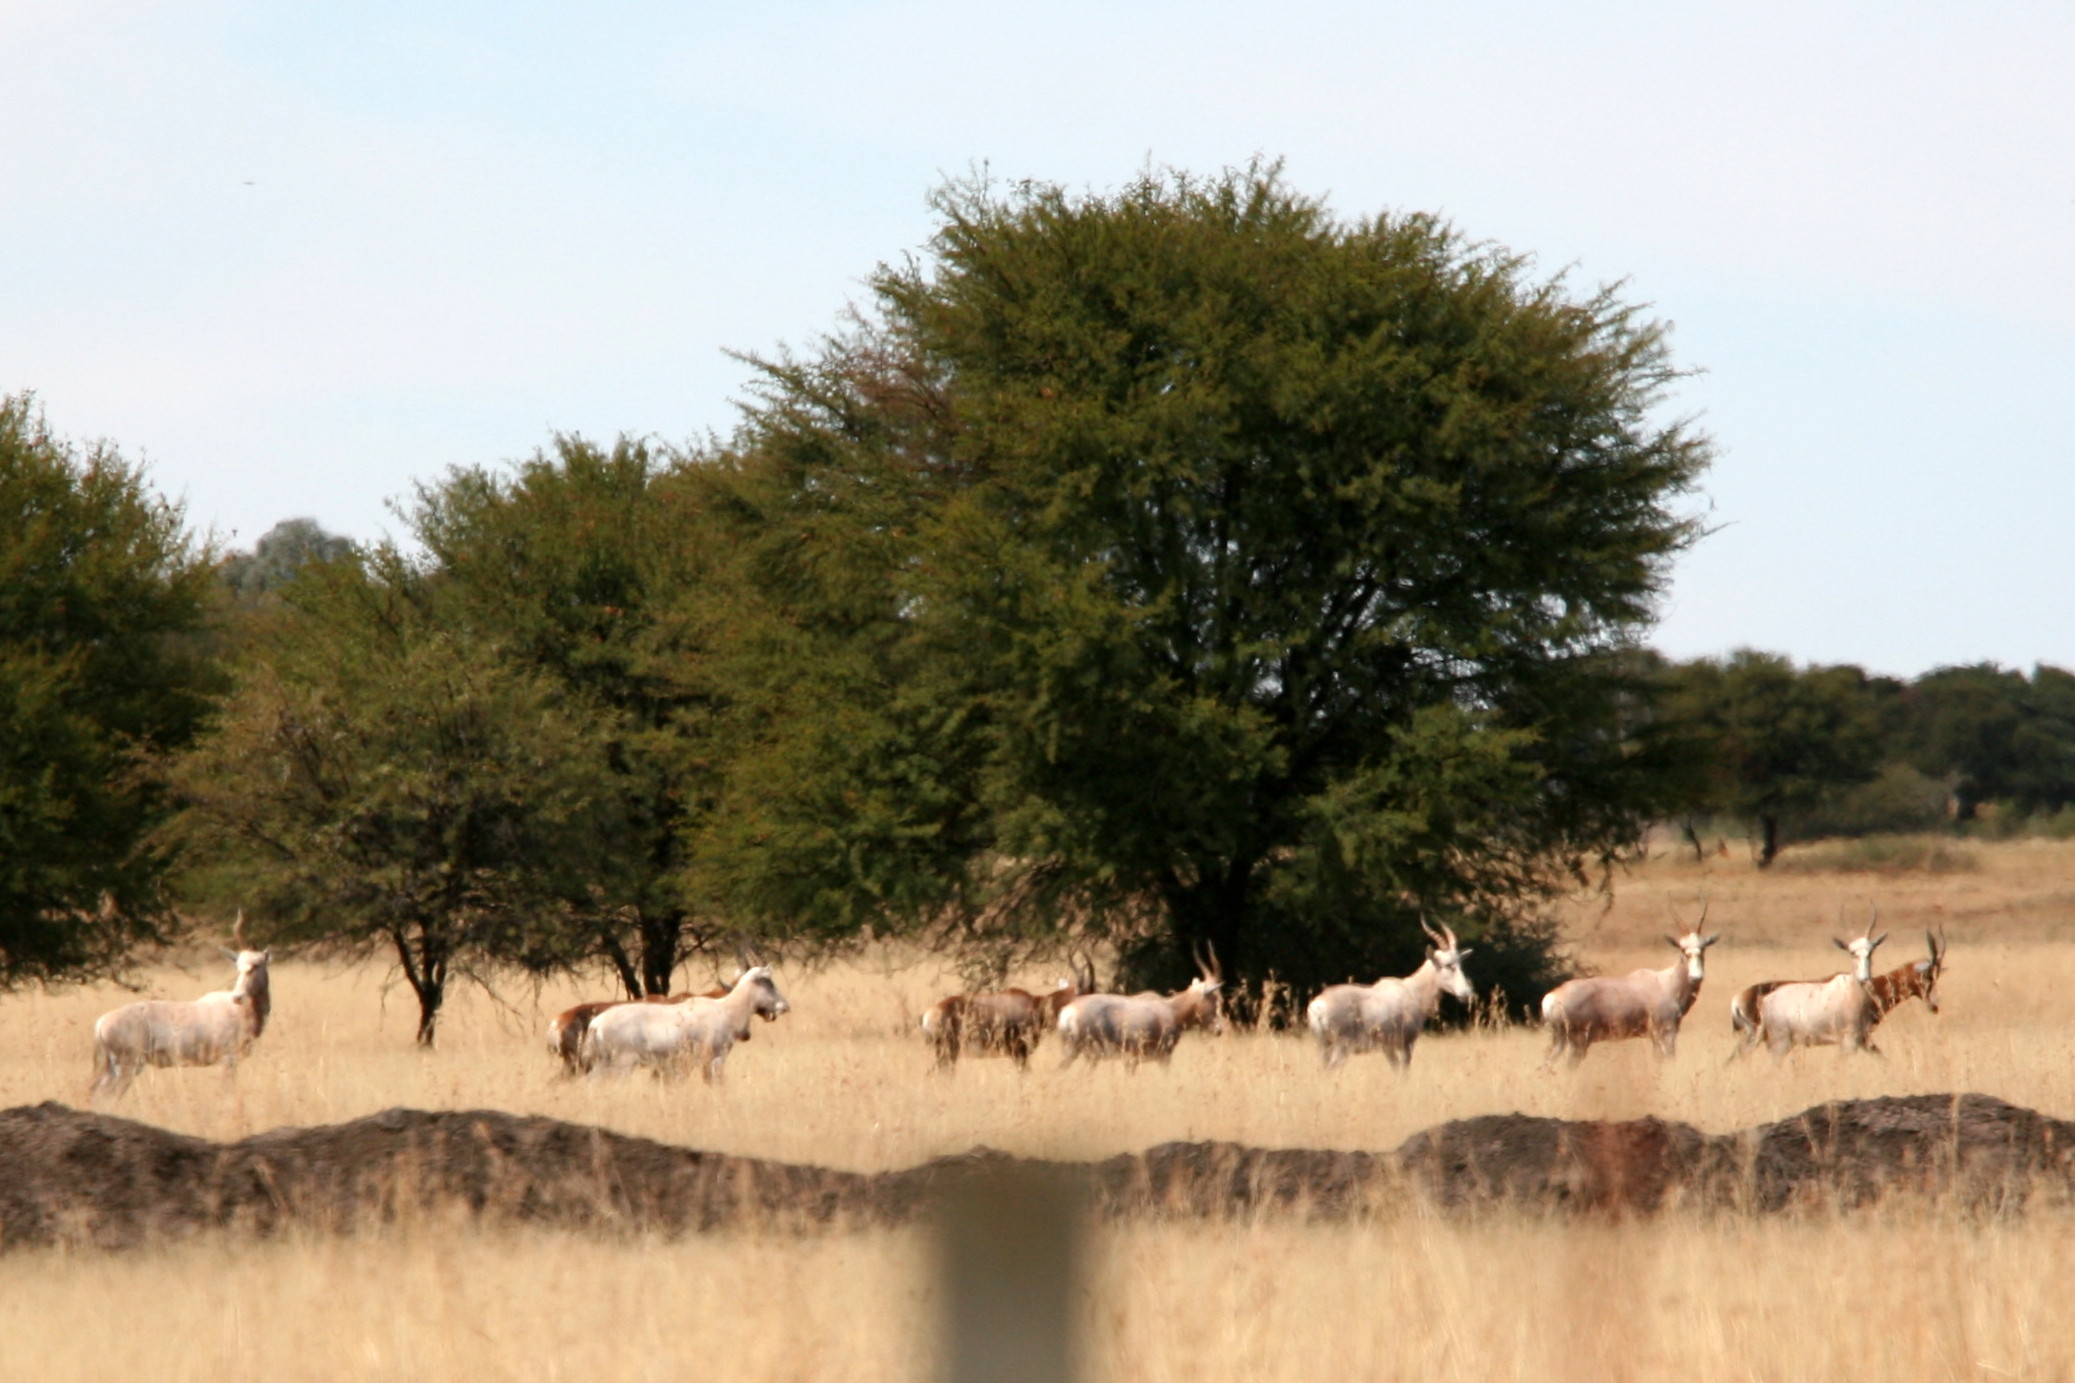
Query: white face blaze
[1862, 955]
[1693, 946]
[1448, 965]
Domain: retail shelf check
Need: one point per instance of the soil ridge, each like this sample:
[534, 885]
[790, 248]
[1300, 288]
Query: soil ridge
[83, 1177]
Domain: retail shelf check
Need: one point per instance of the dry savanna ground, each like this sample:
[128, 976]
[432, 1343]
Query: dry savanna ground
[844, 1081]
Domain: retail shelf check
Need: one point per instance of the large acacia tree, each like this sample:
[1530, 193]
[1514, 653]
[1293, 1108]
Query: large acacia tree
[1261, 574]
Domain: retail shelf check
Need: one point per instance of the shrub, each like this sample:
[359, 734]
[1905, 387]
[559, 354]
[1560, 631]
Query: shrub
[1884, 854]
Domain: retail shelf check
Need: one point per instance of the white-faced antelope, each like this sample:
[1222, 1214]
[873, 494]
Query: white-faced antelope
[1001, 1022]
[1840, 1010]
[670, 1035]
[1387, 1016]
[217, 1028]
[1891, 989]
[566, 1031]
[1642, 1003]
[1142, 1025]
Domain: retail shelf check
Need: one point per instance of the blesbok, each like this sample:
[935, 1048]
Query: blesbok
[219, 1027]
[1642, 1003]
[668, 1035]
[1141, 1025]
[1818, 1013]
[1918, 979]
[1389, 1014]
[566, 1032]
[1000, 1022]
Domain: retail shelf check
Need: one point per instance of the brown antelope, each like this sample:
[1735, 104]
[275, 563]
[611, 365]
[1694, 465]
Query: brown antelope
[1003, 1022]
[1818, 1013]
[566, 1032]
[217, 1028]
[1642, 1003]
[1142, 1025]
[668, 1035]
[1892, 989]
[1389, 1014]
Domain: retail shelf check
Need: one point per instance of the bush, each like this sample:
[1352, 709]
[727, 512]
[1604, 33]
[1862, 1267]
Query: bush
[1899, 801]
[1884, 854]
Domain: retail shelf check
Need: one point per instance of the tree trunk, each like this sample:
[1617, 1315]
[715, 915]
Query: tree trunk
[430, 997]
[1769, 840]
[425, 969]
[1700, 854]
[622, 964]
[661, 935]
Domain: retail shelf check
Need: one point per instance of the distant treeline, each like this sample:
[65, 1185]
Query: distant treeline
[1796, 753]
[1181, 570]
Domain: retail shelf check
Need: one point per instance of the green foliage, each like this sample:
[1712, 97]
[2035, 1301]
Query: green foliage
[1780, 740]
[280, 555]
[102, 599]
[1899, 800]
[600, 570]
[380, 778]
[1257, 575]
[2002, 736]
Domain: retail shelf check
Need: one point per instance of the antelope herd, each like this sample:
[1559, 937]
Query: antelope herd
[673, 1034]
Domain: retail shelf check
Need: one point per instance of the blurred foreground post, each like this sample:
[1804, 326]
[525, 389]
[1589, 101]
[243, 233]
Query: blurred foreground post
[1008, 1250]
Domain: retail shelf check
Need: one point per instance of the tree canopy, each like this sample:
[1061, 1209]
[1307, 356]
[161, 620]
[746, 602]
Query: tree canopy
[597, 568]
[1248, 554]
[102, 598]
[380, 778]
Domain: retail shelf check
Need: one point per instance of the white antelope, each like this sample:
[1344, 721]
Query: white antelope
[217, 1028]
[1389, 1014]
[1141, 1025]
[1841, 1010]
[1642, 1003]
[669, 1035]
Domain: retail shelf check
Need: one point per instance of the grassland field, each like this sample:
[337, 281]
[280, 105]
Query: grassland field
[845, 1081]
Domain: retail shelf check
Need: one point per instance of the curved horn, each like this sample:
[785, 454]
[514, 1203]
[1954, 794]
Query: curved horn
[1873, 920]
[238, 930]
[1209, 965]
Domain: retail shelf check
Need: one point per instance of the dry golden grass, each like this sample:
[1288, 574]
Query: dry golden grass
[845, 1081]
[1413, 1298]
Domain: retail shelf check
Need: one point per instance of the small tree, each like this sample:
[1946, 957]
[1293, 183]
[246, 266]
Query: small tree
[378, 778]
[280, 555]
[102, 598]
[595, 569]
[1779, 740]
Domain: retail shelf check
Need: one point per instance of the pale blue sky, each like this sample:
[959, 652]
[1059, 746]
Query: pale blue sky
[296, 259]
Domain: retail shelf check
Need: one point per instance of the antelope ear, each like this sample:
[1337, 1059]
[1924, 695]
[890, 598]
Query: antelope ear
[1462, 951]
[1878, 940]
[1710, 939]
[1673, 942]
[1839, 944]
[1923, 967]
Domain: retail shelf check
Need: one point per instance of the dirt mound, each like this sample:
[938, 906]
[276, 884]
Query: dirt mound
[1555, 1163]
[78, 1177]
